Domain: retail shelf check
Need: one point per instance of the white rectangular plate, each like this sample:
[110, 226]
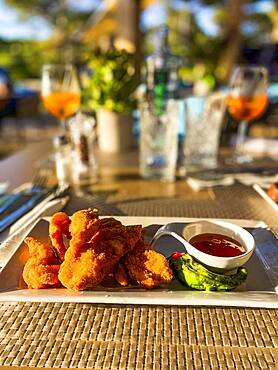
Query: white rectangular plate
[260, 289]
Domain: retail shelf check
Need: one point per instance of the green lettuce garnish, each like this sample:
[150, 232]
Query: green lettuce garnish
[197, 276]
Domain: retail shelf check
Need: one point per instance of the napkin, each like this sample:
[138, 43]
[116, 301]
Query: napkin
[229, 179]
[198, 184]
[251, 179]
[261, 146]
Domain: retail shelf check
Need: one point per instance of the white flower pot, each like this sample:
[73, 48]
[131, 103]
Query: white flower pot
[114, 131]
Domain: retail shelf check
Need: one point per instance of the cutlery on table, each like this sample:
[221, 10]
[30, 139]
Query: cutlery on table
[17, 204]
[22, 227]
[39, 199]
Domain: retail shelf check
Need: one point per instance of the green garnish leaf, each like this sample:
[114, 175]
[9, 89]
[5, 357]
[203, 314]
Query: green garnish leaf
[197, 276]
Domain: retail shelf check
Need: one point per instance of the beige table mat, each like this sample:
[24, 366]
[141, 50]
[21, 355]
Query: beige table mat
[131, 337]
[153, 198]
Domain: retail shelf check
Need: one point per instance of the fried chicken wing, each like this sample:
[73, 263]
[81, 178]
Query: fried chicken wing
[148, 267]
[59, 226]
[95, 248]
[42, 267]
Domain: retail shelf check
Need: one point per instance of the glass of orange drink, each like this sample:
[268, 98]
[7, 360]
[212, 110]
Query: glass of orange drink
[247, 100]
[60, 91]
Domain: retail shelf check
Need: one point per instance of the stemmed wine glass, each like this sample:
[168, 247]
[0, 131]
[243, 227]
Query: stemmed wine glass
[60, 91]
[247, 99]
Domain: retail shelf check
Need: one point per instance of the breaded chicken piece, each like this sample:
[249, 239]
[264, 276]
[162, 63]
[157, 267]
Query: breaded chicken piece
[95, 248]
[59, 227]
[121, 275]
[42, 267]
[148, 267]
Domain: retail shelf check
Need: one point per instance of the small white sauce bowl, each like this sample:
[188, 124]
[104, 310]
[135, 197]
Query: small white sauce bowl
[219, 264]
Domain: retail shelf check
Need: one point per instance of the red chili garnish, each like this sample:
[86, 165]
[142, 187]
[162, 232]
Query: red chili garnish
[176, 255]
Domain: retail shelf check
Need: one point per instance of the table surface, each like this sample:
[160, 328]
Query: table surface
[61, 335]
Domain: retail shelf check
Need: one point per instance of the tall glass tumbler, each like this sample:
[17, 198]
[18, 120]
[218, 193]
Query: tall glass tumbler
[203, 120]
[159, 140]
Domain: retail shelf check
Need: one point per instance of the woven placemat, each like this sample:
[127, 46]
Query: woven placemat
[131, 337]
[240, 202]
[233, 202]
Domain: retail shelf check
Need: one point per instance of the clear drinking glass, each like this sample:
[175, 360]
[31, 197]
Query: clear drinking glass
[247, 99]
[203, 120]
[159, 140]
[60, 91]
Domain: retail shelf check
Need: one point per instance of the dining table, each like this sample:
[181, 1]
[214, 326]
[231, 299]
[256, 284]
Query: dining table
[78, 335]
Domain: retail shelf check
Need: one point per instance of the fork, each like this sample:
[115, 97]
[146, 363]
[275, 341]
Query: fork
[38, 185]
[41, 179]
[41, 197]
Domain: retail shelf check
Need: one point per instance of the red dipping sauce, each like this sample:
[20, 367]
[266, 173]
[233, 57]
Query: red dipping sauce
[217, 245]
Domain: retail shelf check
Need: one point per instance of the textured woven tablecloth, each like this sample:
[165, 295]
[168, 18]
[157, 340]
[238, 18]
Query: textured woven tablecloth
[132, 337]
[149, 337]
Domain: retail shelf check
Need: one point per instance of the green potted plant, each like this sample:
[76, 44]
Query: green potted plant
[110, 94]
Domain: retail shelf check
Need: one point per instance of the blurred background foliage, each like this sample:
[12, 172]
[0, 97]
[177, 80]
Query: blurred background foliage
[113, 83]
[209, 36]
[24, 57]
